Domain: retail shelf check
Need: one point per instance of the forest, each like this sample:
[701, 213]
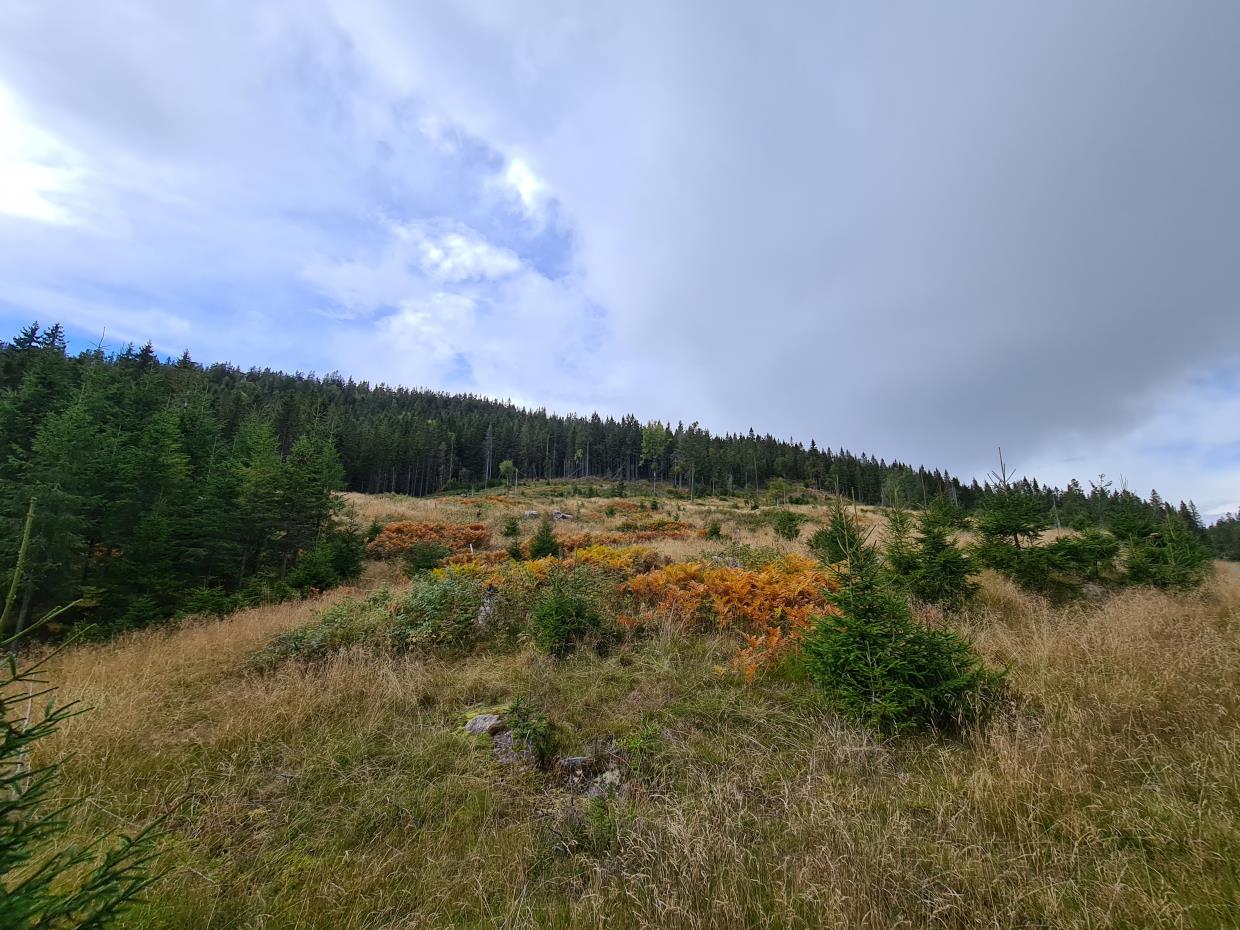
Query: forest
[169, 486]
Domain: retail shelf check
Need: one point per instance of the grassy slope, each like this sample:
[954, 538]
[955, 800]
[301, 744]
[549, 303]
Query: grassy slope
[346, 795]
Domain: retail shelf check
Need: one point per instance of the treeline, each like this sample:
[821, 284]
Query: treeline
[1224, 537]
[164, 484]
[421, 442]
[152, 493]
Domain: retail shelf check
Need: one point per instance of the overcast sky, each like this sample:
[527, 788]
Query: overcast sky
[915, 229]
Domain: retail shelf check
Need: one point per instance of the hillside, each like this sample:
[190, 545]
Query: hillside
[330, 782]
[165, 488]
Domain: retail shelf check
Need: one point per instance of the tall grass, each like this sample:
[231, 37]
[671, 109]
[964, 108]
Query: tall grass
[344, 794]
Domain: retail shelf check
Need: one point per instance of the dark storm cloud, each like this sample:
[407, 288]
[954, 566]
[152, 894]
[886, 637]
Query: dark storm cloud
[916, 229]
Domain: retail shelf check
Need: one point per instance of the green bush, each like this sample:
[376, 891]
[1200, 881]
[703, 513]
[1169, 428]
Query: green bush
[1172, 557]
[898, 547]
[355, 622]
[439, 613]
[207, 602]
[337, 557]
[786, 523]
[842, 537]
[436, 613]
[314, 570]
[929, 567]
[532, 732]
[1090, 556]
[744, 555]
[880, 668]
[1059, 569]
[543, 543]
[563, 619]
[942, 572]
[512, 528]
[714, 530]
[424, 555]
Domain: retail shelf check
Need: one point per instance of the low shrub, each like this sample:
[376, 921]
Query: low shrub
[532, 732]
[208, 602]
[743, 555]
[1171, 557]
[931, 567]
[440, 611]
[879, 667]
[769, 607]
[360, 622]
[650, 524]
[398, 537]
[422, 556]
[512, 528]
[562, 620]
[786, 523]
[543, 543]
[841, 539]
[336, 558]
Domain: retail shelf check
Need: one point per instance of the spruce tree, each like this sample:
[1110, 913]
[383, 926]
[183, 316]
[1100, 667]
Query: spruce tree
[842, 538]
[543, 543]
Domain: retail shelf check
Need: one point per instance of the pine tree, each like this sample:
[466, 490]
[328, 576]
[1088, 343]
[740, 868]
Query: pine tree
[942, 572]
[842, 539]
[879, 667]
[543, 543]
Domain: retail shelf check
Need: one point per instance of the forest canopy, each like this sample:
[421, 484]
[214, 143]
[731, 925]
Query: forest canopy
[167, 485]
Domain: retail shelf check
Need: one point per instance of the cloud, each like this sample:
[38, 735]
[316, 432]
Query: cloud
[920, 231]
[36, 171]
[529, 190]
[459, 254]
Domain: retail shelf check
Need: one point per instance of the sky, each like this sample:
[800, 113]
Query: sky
[917, 230]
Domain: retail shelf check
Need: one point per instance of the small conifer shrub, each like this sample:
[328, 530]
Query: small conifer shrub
[424, 556]
[543, 543]
[787, 524]
[841, 538]
[1171, 557]
[881, 668]
[561, 620]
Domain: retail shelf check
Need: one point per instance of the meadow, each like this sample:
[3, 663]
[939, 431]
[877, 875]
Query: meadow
[344, 792]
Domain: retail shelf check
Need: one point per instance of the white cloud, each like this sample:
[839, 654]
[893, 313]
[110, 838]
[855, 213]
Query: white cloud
[35, 170]
[459, 254]
[414, 263]
[528, 188]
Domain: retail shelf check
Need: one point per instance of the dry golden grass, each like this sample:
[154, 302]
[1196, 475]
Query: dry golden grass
[345, 795]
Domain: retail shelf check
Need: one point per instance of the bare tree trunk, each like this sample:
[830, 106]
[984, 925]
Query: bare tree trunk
[19, 569]
[23, 615]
